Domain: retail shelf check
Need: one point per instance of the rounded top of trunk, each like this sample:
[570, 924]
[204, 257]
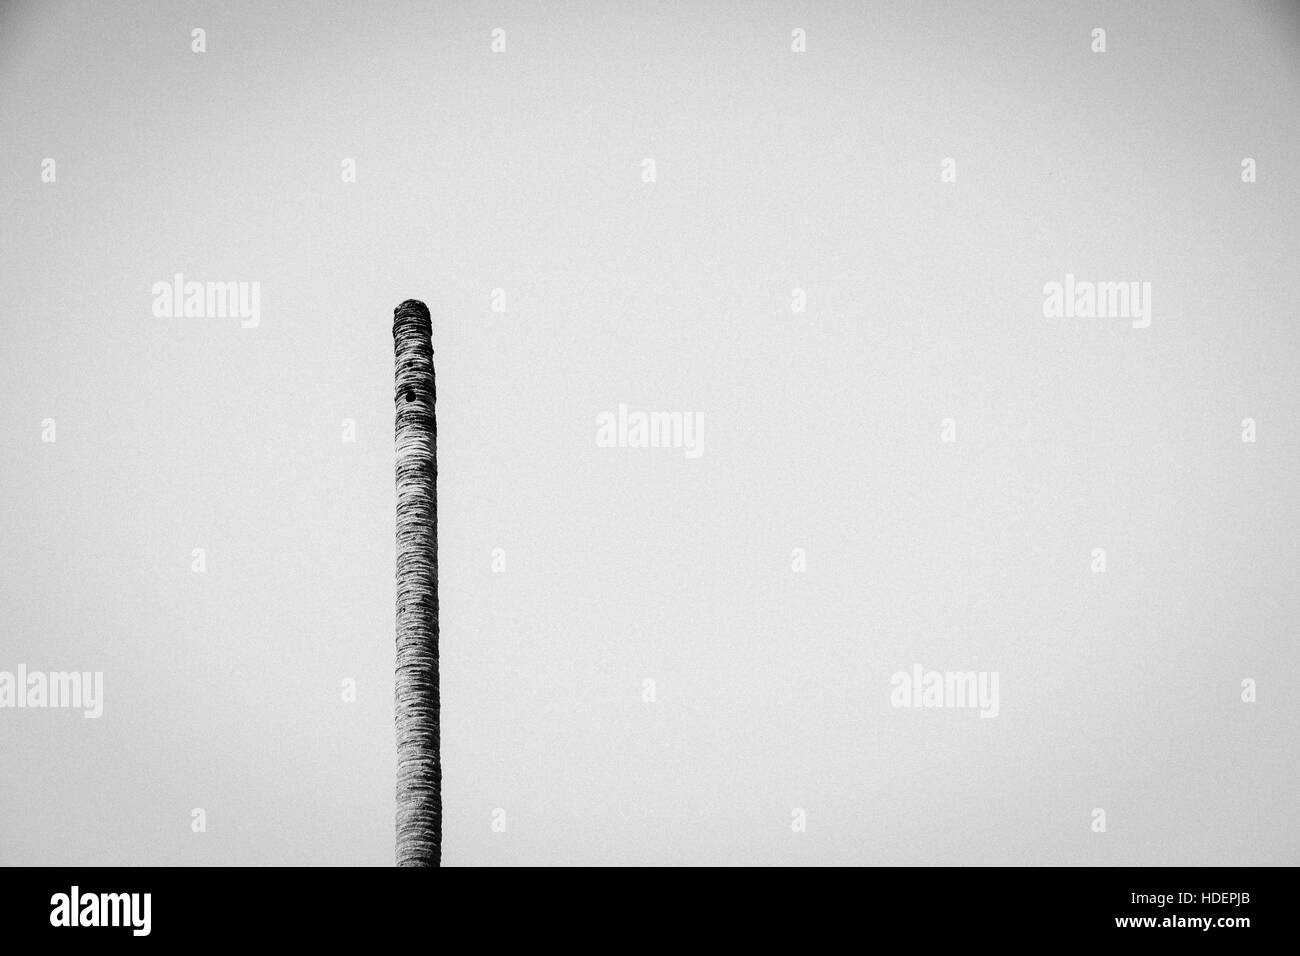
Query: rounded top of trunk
[412, 316]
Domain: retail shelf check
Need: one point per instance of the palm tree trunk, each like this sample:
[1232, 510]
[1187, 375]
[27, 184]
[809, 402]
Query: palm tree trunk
[419, 766]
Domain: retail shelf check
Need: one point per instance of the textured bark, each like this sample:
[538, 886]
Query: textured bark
[419, 765]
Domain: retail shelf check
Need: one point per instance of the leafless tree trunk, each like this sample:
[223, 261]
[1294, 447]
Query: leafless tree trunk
[419, 766]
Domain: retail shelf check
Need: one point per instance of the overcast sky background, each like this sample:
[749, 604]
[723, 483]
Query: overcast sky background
[775, 171]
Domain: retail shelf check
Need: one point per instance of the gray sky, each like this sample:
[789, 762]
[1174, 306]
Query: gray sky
[776, 170]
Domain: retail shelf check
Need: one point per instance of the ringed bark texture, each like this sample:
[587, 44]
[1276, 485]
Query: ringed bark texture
[419, 765]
